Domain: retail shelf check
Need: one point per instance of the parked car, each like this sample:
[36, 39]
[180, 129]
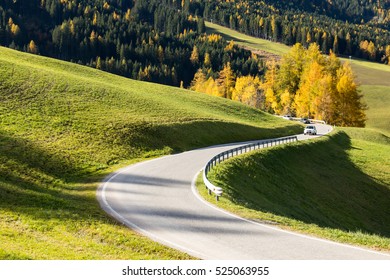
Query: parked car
[287, 117]
[305, 121]
[310, 129]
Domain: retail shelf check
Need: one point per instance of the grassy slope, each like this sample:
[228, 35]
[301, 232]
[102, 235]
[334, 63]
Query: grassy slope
[245, 40]
[368, 74]
[359, 169]
[346, 201]
[63, 127]
[378, 100]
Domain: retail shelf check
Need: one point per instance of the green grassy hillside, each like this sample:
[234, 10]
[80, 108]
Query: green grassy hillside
[246, 40]
[373, 77]
[336, 187]
[378, 101]
[63, 127]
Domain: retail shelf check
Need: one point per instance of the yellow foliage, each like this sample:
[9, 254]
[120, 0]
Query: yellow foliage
[230, 46]
[98, 63]
[198, 83]
[211, 88]
[286, 101]
[94, 21]
[194, 55]
[272, 101]
[387, 53]
[351, 108]
[116, 16]
[86, 10]
[247, 90]
[309, 88]
[160, 53]
[93, 36]
[214, 38]
[15, 30]
[106, 6]
[207, 60]
[310, 85]
[72, 31]
[32, 48]
[128, 15]
[226, 81]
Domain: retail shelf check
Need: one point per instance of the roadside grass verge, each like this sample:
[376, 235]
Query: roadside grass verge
[337, 187]
[64, 127]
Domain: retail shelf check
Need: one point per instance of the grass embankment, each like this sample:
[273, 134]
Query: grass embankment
[374, 77]
[337, 187]
[63, 127]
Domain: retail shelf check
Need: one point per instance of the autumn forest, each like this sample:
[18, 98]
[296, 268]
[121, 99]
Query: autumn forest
[164, 41]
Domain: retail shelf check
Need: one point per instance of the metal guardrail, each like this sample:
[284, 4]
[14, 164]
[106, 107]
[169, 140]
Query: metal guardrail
[238, 151]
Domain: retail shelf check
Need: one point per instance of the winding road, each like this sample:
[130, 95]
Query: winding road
[157, 198]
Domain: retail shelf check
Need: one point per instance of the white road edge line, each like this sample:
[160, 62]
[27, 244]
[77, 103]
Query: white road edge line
[101, 195]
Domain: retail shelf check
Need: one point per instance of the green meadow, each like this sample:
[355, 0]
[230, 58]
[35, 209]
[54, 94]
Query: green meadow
[245, 40]
[64, 127]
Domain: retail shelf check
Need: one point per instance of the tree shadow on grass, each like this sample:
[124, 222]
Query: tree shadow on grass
[315, 183]
[43, 184]
[193, 134]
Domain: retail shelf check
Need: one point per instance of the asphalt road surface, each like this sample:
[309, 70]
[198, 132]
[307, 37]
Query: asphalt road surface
[157, 198]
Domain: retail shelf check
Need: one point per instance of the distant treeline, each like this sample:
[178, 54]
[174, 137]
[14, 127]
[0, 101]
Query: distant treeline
[152, 40]
[359, 28]
[163, 40]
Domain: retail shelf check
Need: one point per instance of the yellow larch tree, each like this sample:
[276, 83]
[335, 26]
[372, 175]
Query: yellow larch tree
[32, 47]
[207, 60]
[324, 102]
[212, 88]
[269, 88]
[387, 53]
[199, 81]
[128, 15]
[309, 88]
[247, 90]
[350, 105]
[226, 81]
[289, 74]
[194, 58]
[286, 102]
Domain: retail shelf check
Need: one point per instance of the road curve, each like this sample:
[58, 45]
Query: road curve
[157, 198]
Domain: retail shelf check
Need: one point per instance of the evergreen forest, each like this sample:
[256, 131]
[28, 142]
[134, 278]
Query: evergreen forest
[150, 40]
[359, 28]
